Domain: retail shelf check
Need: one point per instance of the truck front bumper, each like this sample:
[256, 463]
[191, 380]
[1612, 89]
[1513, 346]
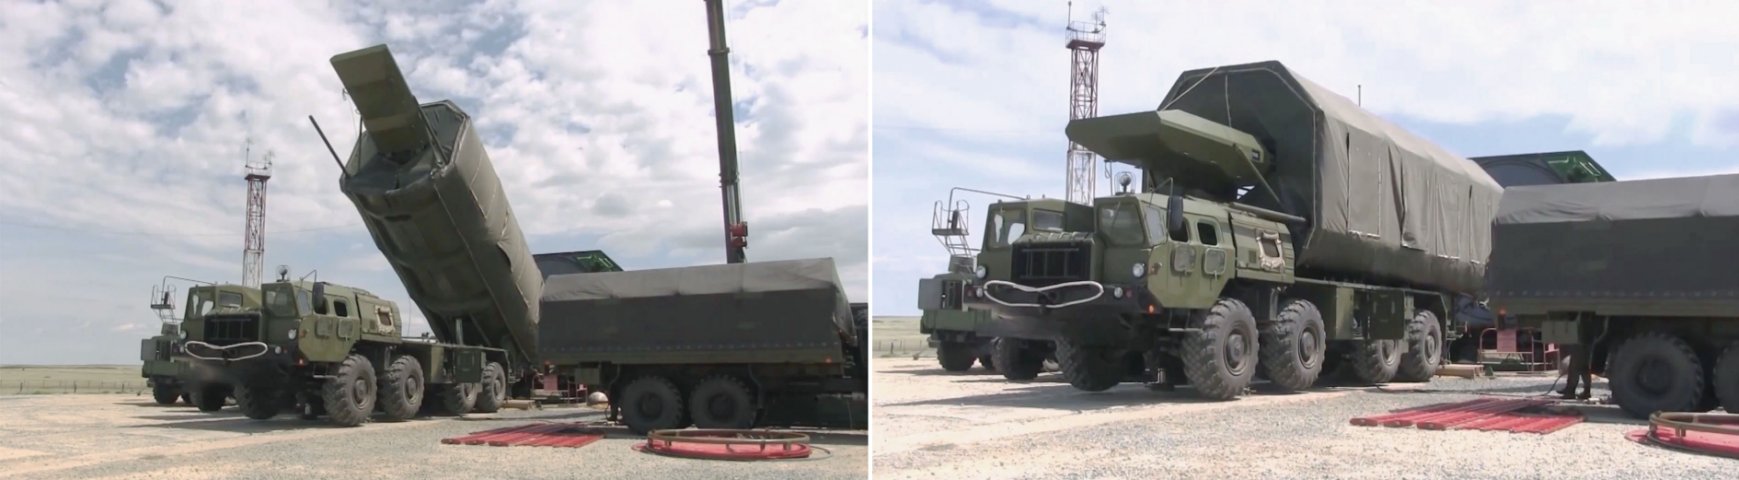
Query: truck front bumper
[1074, 309]
[251, 362]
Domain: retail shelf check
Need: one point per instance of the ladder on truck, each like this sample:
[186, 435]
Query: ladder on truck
[948, 222]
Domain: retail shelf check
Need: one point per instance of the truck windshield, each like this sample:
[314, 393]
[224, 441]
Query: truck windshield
[1120, 223]
[198, 302]
[1048, 220]
[1006, 224]
[279, 303]
[229, 299]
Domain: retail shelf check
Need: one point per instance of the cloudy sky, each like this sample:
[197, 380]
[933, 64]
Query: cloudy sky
[974, 94]
[127, 120]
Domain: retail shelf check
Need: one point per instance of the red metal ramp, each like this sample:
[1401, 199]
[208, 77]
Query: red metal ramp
[567, 435]
[1515, 415]
[725, 444]
[1712, 434]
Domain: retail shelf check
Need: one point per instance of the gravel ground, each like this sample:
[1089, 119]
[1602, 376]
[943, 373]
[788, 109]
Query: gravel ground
[933, 424]
[126, 436]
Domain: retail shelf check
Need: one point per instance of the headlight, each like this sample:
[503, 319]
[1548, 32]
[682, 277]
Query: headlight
[292, 334]
[1116, 292]
[981, 272]
[1138, 269]
[181, 332]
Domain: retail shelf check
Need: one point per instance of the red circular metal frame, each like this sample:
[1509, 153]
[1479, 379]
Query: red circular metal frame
[1709, 433]
[727, 444]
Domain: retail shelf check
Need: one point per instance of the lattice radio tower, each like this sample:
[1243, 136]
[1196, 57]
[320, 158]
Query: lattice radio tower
[1085, 40]
[254, 243]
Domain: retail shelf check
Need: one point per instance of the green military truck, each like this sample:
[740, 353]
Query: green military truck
[1632, 270]
[166, 369]
[1277, 227]
[326, 349]
[715, 346]
[954, 328]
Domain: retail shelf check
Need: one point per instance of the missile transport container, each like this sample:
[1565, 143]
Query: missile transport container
[433, 204]
[715, 346]
[1641, 272]
[1277, 225]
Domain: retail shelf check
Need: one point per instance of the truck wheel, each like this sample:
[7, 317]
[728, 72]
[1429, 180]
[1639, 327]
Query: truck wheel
[401, 390]
[722, 401]
[164, 394]
[1060, 352]
[652, 403]
[1726, 379]
[458, 398]
[1424, 349]
[349, 395]
[1293, 346]
[1092, 369]
[955, 357]
[209, 398]
[256, 402]
[493, 393]
[1220, 359]
[1374, 361]
[1018, 360]
[1656, 372]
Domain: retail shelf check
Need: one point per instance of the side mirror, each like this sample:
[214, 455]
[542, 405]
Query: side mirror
[1174, 223]
[320, 298]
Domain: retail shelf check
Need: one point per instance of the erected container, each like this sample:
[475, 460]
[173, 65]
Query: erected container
[1380, 204]
[431, 199]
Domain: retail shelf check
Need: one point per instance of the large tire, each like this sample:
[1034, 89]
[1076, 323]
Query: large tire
[1726, 379]
[722, 401]
[164, 394]
[350, 394]
[258, 403]
[955, 357]
[1656, 372]
[1373, 362]
[401, 389]
[458, 398]
[1220, 359]
[1017, 359]
[209, 398]
[1092, 369]
[493, 393]
[1294, 346]
[1424, 349]
[652, 403]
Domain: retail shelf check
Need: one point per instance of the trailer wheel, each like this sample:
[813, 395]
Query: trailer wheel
[1220, 359]
[1424, 349]
[1726, 379]
[458, 398]
[350, 393]
[1092, 369]
[401, 390]
[652, 403]
[164, 394]
[1293, 345]
[1375, 361]
[722, 401]
[209, 398]
[1656, 372]
[955, 357]
[1017, 359]
[493, 393]
[258, 403]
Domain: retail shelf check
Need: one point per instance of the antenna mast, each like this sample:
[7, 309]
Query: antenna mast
[254, 243]
[1085, 40]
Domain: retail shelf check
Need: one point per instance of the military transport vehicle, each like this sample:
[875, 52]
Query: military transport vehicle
[1276, 226]
[1546, 168]
[714, 346]
[1634, 270]
[166, 369]
[953, 329]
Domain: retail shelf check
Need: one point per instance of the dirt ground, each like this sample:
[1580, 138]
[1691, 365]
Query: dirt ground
[929, 423]
[127, 436]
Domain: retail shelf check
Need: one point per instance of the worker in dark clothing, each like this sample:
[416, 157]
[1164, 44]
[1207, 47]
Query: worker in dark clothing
[1576, 356]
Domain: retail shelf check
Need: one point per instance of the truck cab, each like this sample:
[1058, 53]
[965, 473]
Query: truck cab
[166, 366]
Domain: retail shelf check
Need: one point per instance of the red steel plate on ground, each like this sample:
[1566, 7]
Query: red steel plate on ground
[726, 452]
[1484, 414]
[727, 444]
[567, 435]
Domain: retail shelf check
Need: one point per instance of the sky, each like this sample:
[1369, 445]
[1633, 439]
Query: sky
[975, 94]
[129, 123]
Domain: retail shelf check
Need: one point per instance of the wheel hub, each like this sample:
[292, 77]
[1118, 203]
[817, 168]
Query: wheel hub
[1654, 376]
[1307, 353]
[650, 406]
[1235, 349]
[722, 406]
[357, 390]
